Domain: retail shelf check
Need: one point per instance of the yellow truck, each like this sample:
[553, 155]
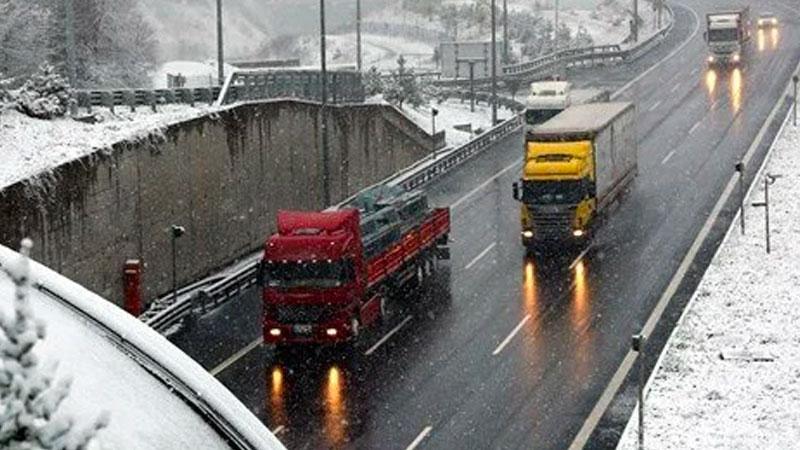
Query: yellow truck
[576, 165]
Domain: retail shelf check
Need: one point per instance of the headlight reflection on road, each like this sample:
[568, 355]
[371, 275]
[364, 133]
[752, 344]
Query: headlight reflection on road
[335, 410]
[762, 40]
[580, 303]
[529, 288]
[580, 314]
[711, 81]
[736, 89]
[774, 38]
[277, 397]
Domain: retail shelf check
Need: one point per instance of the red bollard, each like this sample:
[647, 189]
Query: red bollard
[132, 275]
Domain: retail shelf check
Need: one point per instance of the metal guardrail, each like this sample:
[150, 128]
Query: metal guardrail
[218, 292]
[133, 98]
[344, 86]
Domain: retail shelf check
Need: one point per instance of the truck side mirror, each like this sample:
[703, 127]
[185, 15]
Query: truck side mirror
[516, 191]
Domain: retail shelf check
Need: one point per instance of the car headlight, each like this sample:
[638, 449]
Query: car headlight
[527, 234]
[710, 59]
[736, 57]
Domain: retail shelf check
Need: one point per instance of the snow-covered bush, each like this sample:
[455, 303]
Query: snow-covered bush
[5, 84]
[403, 86]
[373, 82]
[45, 95]
[30, 394]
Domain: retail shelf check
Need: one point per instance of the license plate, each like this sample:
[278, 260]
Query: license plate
[302, 329]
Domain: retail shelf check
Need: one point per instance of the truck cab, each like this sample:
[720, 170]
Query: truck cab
[314, 277]
[726, 34]
[546, 99]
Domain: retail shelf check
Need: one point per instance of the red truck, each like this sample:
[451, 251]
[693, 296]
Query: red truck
[327, 274]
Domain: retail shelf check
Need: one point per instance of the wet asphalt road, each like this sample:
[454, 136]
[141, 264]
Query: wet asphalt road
[455, 374]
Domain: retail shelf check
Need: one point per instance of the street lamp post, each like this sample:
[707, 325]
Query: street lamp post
[494, 63]
[434, 113]
[638, 344]
[176, 231]
[740, 168]
[69, 24]
[220, 51]
[326, 191]
[358, 36]
[505, 31]
[795, 79]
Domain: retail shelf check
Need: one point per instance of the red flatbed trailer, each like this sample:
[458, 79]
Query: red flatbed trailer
[327, 274]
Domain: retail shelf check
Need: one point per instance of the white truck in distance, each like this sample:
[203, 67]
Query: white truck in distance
[727, 32]
[548, 98]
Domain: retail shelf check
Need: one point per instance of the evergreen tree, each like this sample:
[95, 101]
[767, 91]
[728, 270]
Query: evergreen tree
[30, 395]
[403, 87]
[373, 82]
[46, 95]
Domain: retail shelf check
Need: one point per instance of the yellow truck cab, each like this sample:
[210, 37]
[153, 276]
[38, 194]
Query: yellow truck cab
[576, 164]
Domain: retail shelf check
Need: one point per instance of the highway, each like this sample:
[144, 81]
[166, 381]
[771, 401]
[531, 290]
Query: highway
[503, 351]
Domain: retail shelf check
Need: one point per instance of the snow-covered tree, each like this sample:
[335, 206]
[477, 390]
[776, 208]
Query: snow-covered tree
[30, 394]
[23, 37]
[403, 86]
[373, 82]
[45, 95]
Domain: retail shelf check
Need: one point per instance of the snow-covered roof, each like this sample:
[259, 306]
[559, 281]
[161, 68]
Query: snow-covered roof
[157, 397]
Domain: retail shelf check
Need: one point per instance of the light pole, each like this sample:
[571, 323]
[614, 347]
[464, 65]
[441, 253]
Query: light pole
[494, 63]
[638, 344]
[176, 231]
[740, 168]
[220, 51]
[795, 79]
[358, 36]
[434, 113]
[471, 62]
[505, 31]
[635, 21]
[326, 191]
[69, 24]
[555, 29]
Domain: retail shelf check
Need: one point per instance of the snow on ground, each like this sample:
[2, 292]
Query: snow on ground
[730, 374]
[452, 113]
[380, 51]
[31, 147]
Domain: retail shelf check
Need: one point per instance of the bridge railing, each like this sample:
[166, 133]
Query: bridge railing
[344, 86]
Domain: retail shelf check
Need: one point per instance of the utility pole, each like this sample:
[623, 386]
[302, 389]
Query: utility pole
[220, 52]
[326, 188]
[471, 62]
[555, 29]
[635, 20]
[69, 24]
[358, 36]
[494, 63]
[505, 31]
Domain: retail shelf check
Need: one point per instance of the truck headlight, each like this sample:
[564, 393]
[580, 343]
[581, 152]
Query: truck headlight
[711, 59]
[332, 332]
[578, 233]
[527, 234]
[275, 332]
[736, 57]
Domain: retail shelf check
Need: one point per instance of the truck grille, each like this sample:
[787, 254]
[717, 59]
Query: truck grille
[303, 314]
[552, 222]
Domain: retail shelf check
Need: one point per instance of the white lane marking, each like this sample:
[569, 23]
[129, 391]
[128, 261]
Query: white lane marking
[668, 57]
[579, 258]
[511, 336]
[627, 363]
[485, 183]
[695, 70]
[237, 356]
[668, 157]
[675, 88]
[278, 429]
[387, 336]
[655, 105]
[481, 255]
[695, 127]
[420, 437]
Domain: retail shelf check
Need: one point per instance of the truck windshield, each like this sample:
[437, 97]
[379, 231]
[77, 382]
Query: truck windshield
[537, 116]
[312, 274]
[725, 35]
[553, 192]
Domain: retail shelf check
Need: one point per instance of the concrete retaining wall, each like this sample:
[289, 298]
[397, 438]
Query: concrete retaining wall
[223, 177]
